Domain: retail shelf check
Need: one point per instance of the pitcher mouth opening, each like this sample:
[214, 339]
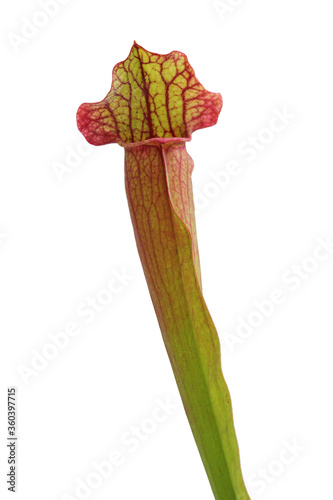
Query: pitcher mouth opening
[155, 141]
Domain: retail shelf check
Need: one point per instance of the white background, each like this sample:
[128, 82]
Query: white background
[62, 237]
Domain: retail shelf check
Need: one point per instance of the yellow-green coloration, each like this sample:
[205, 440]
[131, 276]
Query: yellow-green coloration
[152, 95]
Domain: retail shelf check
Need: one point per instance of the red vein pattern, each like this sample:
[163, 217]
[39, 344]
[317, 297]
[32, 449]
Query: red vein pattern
[151, 96]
